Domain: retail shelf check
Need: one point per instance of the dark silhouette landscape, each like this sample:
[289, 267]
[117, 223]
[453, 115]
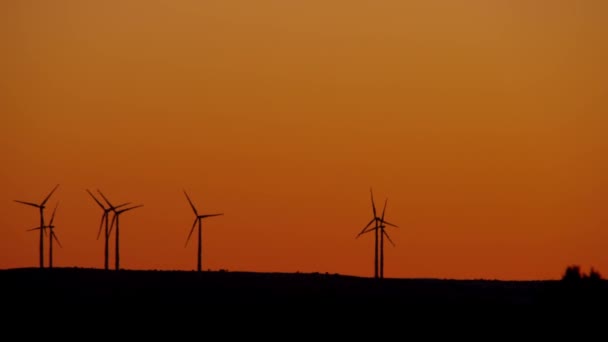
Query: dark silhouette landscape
[34, 287]
[91, 288]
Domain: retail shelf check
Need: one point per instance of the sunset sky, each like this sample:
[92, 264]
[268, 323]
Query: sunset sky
[484, 123]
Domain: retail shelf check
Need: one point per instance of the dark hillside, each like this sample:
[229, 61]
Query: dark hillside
[94, 287]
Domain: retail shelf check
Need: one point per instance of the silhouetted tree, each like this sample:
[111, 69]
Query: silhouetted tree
[572, 274]
[573, 278]
[593, 275]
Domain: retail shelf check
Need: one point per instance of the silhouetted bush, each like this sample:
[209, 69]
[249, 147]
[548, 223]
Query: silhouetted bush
[593, 275]
[572, 274]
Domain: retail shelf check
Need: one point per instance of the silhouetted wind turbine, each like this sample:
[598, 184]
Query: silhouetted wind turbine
[104, 218]
[52, 236]
[116, 234]
[41, 206]
[383, 234]
[198, 219]
[378, 221]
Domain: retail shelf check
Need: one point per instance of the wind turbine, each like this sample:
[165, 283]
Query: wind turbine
[198, 219]
[116, 235]
[378, 221]
[104, 218]
[383, 234]
[41, 207]
[52, 235]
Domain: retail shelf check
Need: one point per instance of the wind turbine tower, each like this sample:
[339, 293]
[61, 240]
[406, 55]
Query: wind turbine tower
[378, 228]
[41, 207]
[52, 235]
[198, 220]
[115, 219]
[104, 218]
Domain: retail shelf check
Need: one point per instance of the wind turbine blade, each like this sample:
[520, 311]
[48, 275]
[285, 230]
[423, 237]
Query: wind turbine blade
[53, 215]
[56, 239]
[38, 228]
[191, 230]
[127, 209]
[388, 237]
[367, 231]
[209, 215]
[373, 205]
[122, 205]
[383, 210]
[104, 217]
[390, 224]
[364, 229]
[96, 200]
[105, 199]
[191, 204]
[49, 195]
[28, 203]
[112, 224]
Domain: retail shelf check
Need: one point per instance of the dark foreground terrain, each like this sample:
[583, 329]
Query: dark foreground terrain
[95, 287]
[174, 305]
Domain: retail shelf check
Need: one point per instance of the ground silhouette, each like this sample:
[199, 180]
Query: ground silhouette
[33, 287]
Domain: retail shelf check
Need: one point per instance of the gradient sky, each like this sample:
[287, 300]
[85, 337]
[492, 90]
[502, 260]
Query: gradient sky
[483, 122]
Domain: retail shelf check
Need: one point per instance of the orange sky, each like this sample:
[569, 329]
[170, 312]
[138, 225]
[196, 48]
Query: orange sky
[483, 122]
